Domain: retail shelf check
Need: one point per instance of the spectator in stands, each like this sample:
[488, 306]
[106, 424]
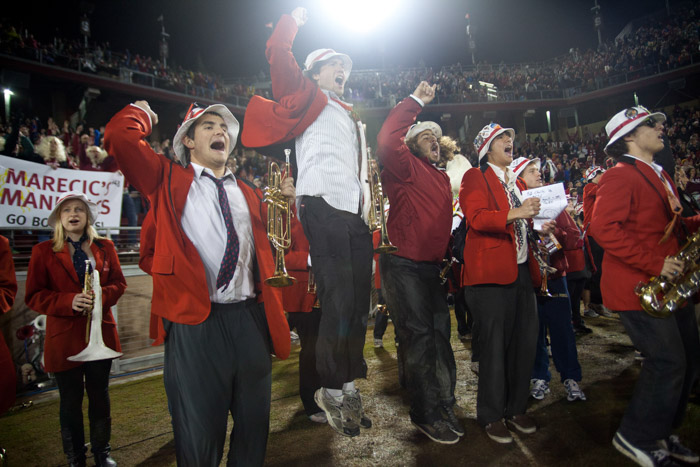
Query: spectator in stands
[57, 272]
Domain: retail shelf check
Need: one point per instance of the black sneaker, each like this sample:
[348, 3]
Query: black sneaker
[582, 329]
[659, 457]
[678, 451]
[438, 431]
[450, 417]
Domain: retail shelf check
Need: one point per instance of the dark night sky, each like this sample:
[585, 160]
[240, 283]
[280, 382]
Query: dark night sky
[228, 36]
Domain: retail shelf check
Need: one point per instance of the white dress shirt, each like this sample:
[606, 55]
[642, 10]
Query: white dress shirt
[327, 156]
[204, 225]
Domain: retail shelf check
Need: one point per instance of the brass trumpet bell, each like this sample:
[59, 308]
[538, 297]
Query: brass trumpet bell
[279, 218]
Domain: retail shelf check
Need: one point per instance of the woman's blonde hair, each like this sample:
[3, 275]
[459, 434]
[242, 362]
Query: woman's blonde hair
[59, 234]
[44, 149]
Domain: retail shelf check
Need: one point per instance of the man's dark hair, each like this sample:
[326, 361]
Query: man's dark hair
[617, 149]
[315, 69]
[190, 135]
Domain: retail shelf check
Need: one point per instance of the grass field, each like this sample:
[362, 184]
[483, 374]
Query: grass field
[570, 433]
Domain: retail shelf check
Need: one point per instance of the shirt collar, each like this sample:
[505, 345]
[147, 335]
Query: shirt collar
[198, 169]
[334, 96]
[657, 168]
[501, 174]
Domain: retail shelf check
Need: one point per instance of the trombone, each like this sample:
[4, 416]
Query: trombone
[278, 228]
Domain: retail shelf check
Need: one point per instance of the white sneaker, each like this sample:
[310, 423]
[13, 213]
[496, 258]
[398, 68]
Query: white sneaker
[378, 343]
[574, 392]
[640, 456]
[605, 312]
[590, 312]
[319, 417]
[539, 388]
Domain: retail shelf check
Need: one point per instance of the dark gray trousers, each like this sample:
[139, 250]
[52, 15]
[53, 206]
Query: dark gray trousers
[340, 246]
[219, 366]
[672, 363]
[418, 305]
[506, 316]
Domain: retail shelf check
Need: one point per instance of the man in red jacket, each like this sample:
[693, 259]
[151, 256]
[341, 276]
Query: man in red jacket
[211, 253]
[499, 270]
[419, 224]
[636, 219]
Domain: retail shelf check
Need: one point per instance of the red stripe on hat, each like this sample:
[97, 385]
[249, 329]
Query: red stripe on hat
[625, 123]
[329, 51]
[523, 163]
[489, 138]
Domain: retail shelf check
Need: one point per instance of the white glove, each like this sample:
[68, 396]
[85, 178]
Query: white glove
[299, 15]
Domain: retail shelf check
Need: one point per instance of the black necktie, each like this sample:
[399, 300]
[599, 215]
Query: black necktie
[228, 263]
[79, 258]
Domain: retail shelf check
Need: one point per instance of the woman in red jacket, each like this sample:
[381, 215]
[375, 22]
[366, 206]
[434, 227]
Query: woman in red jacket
[55, 288]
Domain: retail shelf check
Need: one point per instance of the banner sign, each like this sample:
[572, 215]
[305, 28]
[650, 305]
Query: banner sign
[29, 191]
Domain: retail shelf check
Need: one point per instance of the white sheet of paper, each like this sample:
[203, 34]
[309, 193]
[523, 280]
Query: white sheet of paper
[552, 202]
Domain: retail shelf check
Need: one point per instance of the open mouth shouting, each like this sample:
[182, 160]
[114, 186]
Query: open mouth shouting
[340, 79]
[509, 151]
[434, 150]
[218, 145]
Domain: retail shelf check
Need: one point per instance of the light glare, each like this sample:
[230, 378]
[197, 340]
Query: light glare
[360, 16]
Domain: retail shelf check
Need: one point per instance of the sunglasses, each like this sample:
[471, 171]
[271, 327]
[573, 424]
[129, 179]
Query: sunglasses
[650, 122]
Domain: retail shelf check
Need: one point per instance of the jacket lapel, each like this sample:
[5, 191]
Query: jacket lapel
[99, 255]
[66, 261]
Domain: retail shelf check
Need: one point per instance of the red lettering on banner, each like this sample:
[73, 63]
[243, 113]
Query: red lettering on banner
[46, 202]
[16, 178]
[92, 191]
[105, 207]
[61, 185]
[70, 186]
[29, 200]
[34, 181]
[48, 183]
[10, 197]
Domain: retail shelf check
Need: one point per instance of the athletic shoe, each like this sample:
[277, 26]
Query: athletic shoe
[539, 388]
[498, 432]
[450, 417]
[522, 423]
[590, 312]
[337, 414]
[353, 403]
[678, 451]
[294, 337]
[573, 392]
[659, 457]
[319, 417]
[438, 431]
[378, 343]
[464, 337]
[602, 311]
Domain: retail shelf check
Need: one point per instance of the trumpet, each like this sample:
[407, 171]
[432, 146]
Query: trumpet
[542, 258]
[279, 219]
[96, 348]
[377, 218]
[446, 269]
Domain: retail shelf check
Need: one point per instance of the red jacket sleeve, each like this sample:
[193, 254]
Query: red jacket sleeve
[474, 200]
[391, 149]
[41, 293]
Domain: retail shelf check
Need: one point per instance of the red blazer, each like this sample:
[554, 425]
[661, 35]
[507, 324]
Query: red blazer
[490, 255]
[180, 291]
[52, 283]
[629, 217]
[299, 99]
[8, 290]
[296, 297]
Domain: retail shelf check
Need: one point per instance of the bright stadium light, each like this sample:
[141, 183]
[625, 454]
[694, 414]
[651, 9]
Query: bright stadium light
[360, 16]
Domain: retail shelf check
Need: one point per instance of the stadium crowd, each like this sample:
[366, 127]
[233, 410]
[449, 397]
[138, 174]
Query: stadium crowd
[660, 45]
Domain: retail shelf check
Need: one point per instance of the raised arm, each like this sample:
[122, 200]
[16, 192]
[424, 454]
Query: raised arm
[391, 148]
[125, 140]
[286, 75]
